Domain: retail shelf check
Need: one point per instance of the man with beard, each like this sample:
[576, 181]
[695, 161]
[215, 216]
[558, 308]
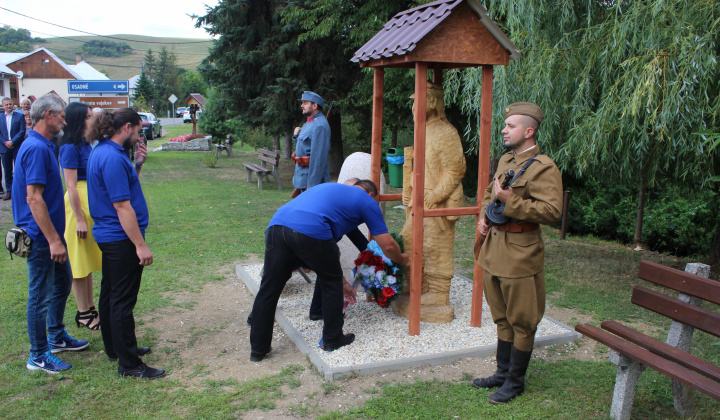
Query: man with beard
[120, 213]
[313, 145]
[38, 207]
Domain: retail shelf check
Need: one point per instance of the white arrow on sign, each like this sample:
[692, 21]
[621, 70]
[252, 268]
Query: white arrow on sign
[121, 102]
[120, 86]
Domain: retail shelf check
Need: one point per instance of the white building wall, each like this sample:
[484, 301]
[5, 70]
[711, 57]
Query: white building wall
[39, 87]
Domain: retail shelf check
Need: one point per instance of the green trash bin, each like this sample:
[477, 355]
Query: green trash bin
[395, 158]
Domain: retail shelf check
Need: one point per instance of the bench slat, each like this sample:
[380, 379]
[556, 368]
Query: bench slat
[664, 366]
[267, 152]
[256, 168]
[681, 281]
[269, 160]
[663, 349]
[686, 313]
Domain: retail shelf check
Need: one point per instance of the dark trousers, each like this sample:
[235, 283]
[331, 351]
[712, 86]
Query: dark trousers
[119, 289]
[361, 243]
[284, 250]
[7, 163]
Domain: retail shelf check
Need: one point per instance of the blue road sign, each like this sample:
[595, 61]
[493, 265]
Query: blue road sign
[98, 86]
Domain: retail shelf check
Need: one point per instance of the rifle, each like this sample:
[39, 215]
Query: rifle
[494, 213]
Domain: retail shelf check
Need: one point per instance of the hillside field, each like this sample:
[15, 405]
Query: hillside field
[189, 52]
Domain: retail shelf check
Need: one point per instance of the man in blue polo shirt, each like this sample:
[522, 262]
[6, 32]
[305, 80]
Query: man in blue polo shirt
[39, 208]
[305, 231]
[120, 213]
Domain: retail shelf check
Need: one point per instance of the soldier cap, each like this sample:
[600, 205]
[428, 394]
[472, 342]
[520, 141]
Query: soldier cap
[433, 90]
[312, 97]
[524, 108]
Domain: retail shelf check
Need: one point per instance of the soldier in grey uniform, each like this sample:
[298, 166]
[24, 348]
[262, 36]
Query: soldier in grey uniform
[313, 145]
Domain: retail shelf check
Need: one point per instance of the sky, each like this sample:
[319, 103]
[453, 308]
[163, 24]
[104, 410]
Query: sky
[162, 18]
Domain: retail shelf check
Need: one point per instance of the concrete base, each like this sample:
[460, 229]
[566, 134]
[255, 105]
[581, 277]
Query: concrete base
[440, 358]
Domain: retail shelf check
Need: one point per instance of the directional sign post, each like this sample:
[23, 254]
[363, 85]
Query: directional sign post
[172, 100]
[98, 86]
[102, 102]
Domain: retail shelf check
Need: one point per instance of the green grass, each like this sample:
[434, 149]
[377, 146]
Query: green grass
[188, 55]
[204, 220]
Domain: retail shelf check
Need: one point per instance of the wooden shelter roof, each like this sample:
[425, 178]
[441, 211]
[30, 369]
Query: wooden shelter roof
[407, 30]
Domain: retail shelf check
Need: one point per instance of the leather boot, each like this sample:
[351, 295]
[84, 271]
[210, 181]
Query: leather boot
[515, 383]
[503, 364]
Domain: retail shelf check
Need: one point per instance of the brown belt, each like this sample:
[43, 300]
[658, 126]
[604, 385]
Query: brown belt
[518, 228]
[301, 161]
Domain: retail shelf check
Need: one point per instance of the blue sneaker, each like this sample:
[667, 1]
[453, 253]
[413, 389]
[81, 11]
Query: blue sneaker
[47, 363]
[67, 343]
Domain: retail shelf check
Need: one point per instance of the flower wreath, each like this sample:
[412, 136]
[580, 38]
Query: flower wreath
[381, 278]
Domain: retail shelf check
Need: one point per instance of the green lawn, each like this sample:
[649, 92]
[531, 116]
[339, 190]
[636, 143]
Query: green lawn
[203, 218]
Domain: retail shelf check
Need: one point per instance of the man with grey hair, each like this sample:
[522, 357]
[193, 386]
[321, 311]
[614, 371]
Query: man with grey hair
[38, 207]
[25, 104]
[12, 134]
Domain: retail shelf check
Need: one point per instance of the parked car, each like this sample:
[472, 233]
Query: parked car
[151, 125]
[187, 118]
[180, 111]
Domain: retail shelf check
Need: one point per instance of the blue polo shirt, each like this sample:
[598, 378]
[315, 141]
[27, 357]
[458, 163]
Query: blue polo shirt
[36, 164]
[329, 211]
[72, 157]
[112, 178]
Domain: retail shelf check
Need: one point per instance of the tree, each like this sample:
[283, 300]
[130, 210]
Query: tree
[16, 40]
[149, 64]
[192, 82]
[624, 85]
[105, 48]
[144, 89]
[167, 81]
[261, 67]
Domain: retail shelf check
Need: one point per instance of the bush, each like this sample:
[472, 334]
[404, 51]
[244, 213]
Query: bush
[210, 160]
[676, 221]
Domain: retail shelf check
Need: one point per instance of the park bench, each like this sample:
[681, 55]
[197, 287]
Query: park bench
[227, 147]
[262, 171]
[632, 350]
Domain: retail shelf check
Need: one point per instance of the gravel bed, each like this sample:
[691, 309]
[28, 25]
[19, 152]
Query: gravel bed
[380, 335]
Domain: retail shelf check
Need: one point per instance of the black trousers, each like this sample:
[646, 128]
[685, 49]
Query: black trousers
[119, 289]
[361, 243]
[285, 249]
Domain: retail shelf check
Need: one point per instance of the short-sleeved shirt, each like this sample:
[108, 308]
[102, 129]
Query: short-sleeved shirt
[36, 164]
[112, 178]
[329, 211]
[72, 157]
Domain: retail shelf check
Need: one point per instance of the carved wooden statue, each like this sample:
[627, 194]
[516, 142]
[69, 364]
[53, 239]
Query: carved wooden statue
[444, 170]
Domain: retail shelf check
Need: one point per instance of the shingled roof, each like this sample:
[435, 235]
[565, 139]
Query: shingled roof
[402, 34]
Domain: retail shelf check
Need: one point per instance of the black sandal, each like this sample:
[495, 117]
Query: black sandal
[90, 315]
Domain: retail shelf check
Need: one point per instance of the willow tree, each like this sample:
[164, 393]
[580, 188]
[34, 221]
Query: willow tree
[624, 85]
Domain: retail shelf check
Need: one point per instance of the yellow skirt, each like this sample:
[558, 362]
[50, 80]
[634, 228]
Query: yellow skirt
[84, 254]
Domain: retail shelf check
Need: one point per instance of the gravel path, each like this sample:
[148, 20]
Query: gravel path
[383, 336]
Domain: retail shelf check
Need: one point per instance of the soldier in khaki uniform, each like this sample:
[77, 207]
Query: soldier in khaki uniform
[513, 254]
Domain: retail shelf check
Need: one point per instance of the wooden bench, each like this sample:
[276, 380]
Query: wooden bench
[633, 350]
[262, 171]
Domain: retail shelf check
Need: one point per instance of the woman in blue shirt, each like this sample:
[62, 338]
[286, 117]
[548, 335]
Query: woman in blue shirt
[83, 253]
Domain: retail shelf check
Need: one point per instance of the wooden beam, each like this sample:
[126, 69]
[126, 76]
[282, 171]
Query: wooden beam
[390, 197]
[452, 211]
[377, 123]
[418, 199]
[681, 281]
[486, 90]
[437, 77]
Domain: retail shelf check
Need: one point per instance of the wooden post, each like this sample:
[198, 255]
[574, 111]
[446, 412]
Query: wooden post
[377, 123]
[437, 75]
[418, 197]
[483, 175]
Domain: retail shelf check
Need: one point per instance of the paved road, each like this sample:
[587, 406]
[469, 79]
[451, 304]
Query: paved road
[170, 121]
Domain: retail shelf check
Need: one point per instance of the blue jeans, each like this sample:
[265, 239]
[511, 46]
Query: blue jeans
[49, 287]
